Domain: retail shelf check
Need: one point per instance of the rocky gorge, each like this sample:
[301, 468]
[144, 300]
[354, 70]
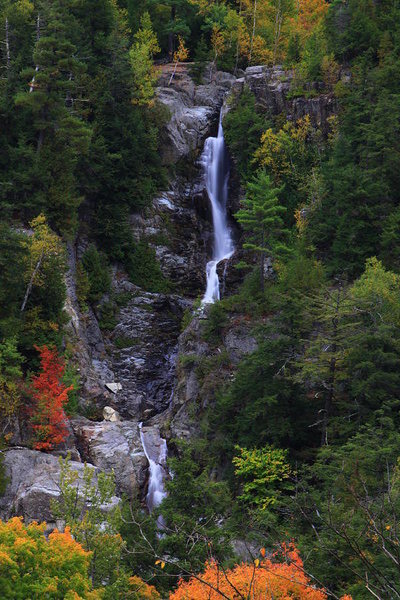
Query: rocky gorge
[154, 366]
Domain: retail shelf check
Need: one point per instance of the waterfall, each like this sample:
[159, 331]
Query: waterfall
[156, 453]
[216, 168]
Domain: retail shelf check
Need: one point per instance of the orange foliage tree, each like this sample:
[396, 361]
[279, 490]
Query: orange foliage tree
[281, 576]
[33, 567]
[49, 396]
[311, 14]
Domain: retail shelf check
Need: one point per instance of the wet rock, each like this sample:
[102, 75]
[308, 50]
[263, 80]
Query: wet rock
[33, 483]
[114, 446]
[142, 351]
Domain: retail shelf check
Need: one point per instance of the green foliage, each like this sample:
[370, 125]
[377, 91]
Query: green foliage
[351, 513]
[87, 507]
[12, 286]
[261, 218]
[10, 359]
[72, 378]
[217, 319]
[201, 57]
[263, 471]
[262, 405]
[243, 126]
[98, 273]
[145, 46]
[144, 270]
[125, 342]
[193, 507]
[107, 321]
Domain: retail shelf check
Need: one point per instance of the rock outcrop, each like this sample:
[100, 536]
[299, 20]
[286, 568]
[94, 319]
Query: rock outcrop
[203, 367]
[192, 108]
[273, 88]
[114, 446]
[33, 482]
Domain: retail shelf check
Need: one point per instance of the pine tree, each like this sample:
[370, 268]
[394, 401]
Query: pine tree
[261, 218]
[321, 367]
[141, 55]
[58, 135]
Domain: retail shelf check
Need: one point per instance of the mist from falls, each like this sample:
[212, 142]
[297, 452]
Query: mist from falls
[216, 168]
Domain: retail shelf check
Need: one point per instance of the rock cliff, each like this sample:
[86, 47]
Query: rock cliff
[146, 368]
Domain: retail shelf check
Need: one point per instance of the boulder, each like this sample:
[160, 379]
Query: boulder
[110, 414]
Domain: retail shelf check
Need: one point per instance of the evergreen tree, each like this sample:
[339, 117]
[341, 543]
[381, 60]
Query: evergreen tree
[321, 367]
[56, 136]
[261, 219]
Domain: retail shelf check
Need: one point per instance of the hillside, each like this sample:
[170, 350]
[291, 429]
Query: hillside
[199, 299]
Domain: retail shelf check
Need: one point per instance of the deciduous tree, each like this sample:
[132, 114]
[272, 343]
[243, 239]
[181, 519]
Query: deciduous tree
[49, 396]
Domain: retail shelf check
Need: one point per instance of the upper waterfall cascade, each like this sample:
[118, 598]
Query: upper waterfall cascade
[216, 168]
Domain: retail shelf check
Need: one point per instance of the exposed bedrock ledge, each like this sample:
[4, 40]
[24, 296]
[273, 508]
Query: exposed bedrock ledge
[193, 111]
[272, 86]
[33, 483]
[114, 446]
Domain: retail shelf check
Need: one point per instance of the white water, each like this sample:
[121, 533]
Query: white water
[156, 453]
[215, 163]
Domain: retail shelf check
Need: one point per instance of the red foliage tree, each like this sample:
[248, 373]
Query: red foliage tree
[49, 396]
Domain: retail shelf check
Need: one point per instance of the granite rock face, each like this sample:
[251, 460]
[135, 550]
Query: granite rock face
[114, 446]
[203, 367]
[193, 110]
[33, 483]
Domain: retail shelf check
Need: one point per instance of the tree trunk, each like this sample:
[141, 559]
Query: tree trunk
[173, 74]
[31, 86]
[262, 263]
[254, 29]
[31, 281]
[332, 375]
[237, 42]
[8, 55]
[328, 401]
[171, 36]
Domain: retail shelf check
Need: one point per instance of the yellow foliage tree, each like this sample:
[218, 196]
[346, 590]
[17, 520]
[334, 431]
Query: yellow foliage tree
[180, 55]
[32, 566]
[144, 47]
[44, 246]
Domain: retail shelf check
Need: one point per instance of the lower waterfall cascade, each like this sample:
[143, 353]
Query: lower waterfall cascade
[216, 167]
[156, 454]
